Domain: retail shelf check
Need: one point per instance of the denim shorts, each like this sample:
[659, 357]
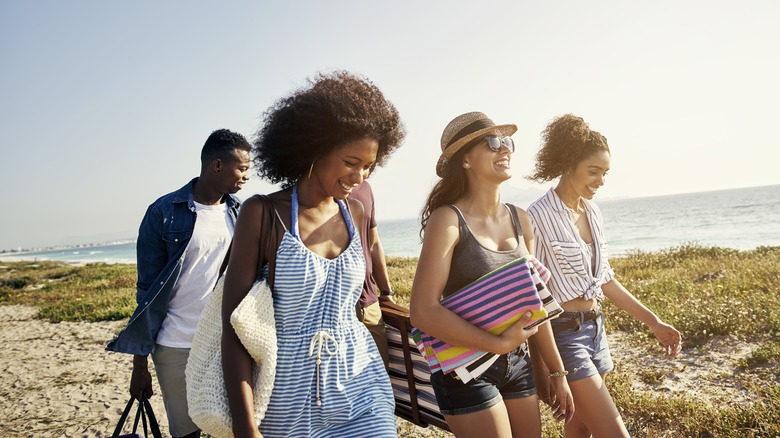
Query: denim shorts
[583, 349]
[509, 377]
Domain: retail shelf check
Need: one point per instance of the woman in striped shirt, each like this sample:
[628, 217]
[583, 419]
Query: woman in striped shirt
[330, 380]
[570, 241]
[469, 233]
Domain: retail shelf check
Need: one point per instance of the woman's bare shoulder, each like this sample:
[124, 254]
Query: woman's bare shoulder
[279, 199]
[443, 227]
[522, 214]
[444, 215]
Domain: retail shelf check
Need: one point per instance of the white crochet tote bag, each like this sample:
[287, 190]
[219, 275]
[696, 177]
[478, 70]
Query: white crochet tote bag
[254, 323]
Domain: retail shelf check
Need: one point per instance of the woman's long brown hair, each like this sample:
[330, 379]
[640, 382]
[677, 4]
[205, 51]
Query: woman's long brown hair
[451, 187]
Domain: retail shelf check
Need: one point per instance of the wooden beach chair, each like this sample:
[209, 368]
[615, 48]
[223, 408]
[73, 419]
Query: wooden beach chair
[409, 372]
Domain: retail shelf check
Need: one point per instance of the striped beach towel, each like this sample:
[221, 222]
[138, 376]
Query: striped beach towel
[409, 373]
[493, 303]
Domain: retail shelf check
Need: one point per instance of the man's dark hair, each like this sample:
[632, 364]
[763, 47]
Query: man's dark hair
[221, 143]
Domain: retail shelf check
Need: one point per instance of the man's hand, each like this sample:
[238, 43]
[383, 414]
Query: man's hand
[141, 380]
[386, 299]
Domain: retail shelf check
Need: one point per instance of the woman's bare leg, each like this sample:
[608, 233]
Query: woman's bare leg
[524, 416]
[595, 412]
[490, 422]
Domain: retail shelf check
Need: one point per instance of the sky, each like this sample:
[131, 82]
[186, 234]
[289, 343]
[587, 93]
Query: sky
[104, 106]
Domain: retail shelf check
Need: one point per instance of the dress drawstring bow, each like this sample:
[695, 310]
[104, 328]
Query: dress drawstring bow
[322, 340]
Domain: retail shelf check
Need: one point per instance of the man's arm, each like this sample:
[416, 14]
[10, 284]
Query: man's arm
[152, 257]
[379, 265]
[151, 253]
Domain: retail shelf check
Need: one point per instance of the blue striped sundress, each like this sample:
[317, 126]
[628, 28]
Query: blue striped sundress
[349, 393]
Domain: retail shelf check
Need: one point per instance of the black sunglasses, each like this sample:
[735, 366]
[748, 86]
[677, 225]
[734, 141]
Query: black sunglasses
[494, 143]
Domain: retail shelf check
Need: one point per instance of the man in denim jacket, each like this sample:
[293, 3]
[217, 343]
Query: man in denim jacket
[182, 241]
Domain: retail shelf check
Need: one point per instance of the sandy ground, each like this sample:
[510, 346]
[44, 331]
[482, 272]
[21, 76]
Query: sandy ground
[57, 379]
[706, 372]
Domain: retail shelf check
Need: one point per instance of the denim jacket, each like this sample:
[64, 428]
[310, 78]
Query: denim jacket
[163, 237]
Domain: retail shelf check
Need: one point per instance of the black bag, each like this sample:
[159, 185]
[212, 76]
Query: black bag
[144, 412]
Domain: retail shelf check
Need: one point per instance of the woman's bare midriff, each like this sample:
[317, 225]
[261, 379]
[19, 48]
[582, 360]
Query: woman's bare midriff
[579, 305]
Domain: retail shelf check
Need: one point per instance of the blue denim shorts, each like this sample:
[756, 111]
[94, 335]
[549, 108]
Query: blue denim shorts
[583, 349]
[510, 377]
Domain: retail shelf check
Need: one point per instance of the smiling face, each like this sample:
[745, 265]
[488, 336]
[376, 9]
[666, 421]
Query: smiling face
[589, 175]
[234, 171]
[483, 162]
[345, 167]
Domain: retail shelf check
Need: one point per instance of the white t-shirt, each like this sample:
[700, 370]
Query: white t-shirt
[202, 259]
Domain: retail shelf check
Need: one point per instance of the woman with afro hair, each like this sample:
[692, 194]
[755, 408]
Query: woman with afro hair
[319, 143]
[569, 232]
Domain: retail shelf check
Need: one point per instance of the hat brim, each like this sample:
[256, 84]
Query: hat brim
[455, 147]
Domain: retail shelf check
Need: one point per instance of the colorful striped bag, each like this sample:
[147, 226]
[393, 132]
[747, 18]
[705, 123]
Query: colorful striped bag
[493, 303]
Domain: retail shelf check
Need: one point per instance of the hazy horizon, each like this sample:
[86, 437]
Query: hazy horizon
[519, 198]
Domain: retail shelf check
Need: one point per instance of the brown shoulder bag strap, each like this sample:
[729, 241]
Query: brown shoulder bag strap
[269, 244]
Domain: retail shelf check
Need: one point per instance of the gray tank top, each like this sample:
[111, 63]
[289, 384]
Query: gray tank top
[471, 260]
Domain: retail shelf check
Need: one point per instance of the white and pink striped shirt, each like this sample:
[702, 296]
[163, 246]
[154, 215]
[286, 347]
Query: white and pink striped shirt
[561, 249]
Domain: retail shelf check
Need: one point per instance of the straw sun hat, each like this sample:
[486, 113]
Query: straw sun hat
[462, 130]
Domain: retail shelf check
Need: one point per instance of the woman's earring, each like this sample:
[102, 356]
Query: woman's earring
[311, 168]
[466, 165]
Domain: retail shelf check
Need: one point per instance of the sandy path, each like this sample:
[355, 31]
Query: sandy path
[57, 380]
[706, 373]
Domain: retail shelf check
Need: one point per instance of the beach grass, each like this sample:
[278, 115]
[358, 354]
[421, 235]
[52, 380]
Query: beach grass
[703, 291]
[66, 292]
[708, 293]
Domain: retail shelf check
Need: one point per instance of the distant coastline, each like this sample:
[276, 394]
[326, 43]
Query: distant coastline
[22, 251]
[735, 218]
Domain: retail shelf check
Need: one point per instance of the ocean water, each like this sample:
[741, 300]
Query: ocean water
[738, 218]
[110, 253]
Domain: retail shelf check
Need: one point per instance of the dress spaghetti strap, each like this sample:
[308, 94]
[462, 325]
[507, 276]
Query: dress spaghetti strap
[295, 229]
